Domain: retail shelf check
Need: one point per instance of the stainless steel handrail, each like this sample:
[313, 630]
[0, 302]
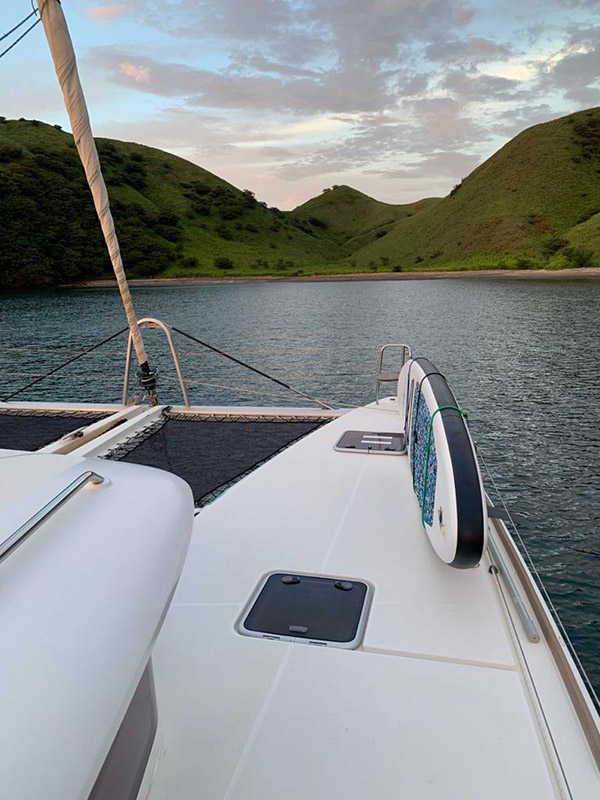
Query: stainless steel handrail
[580, 698]
[529, 625]
[383, 376]
[16, 539]
[150, 322]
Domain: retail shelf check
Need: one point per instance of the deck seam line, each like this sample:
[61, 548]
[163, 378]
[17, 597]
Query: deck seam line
[440, 659]
[253, 735]
[204, 605]
[345, 513]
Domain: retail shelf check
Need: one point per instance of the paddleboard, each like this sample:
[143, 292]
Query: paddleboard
[446, 477]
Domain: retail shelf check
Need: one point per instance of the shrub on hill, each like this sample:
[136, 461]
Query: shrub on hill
[579, 256]
[51, 234]
[553, 245]
[9, 152]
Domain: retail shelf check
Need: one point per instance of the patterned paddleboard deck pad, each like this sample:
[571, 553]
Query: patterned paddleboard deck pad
[446, 479]
[376, 442]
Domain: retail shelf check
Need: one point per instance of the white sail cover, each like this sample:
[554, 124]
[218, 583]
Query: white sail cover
[63, 55]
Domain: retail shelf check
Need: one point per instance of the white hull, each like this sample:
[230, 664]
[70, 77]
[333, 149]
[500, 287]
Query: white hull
[444, 697]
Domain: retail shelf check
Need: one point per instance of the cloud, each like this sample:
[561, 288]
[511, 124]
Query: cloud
[140, 74]
[449, 165]
[518, 118]
[373, 32]
[367, 32]
[482, 88]
[472, 50]
[352, 90]
[574, 69]
[445, 122]
[397, 146]
[241, 20]
[106, 14]
[283, 92]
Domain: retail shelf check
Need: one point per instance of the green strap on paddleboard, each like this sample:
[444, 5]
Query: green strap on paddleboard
[428, 451]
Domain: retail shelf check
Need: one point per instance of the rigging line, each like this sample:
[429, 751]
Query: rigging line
[540, 584]
[235, 389]
[22, 36]
[18, 25]
[74, 376]
[66, 363]
[253, 369]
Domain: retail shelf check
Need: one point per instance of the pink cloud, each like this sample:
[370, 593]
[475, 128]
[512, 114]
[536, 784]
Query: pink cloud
[140, 74]
[106, 14]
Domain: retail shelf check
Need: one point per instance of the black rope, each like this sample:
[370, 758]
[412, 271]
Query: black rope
[22, 36]
[251, 368]
[18, 25]
[70, 361]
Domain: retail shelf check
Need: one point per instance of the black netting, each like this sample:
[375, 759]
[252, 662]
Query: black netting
[25, 431]
[209, 455]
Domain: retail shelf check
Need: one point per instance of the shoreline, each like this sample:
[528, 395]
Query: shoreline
[506, 274]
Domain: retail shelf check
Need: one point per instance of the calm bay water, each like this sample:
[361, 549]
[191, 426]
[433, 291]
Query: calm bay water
[522, 357]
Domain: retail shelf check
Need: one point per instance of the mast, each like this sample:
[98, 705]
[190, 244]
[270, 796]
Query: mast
[65, 64]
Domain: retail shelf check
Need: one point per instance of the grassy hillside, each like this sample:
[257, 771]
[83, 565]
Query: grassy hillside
[523, 201]
[172, 217]
[536, 202]
[353, 219]
[586, 235]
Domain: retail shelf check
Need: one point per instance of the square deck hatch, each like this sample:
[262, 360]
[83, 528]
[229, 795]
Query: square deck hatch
[370, 442]
[310, 608]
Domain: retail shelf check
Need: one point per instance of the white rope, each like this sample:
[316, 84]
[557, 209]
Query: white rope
[61, 49]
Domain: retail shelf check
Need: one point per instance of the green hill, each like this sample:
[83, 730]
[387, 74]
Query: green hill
[531, 199]
[586, 235]
[536, 202]
[353, 219]
[172, 217]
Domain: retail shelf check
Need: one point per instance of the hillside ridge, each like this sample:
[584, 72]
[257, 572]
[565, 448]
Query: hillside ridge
[534, 203]
[532, 199]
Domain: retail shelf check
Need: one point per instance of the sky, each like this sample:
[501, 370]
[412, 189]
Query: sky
[397, 98]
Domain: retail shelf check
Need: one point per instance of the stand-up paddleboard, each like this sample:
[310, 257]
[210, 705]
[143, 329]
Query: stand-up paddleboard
[446, 476]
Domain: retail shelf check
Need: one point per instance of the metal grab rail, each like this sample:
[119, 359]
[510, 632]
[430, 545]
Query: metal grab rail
[384, 376]
[529, 625]
[12, 542]
[150, 322]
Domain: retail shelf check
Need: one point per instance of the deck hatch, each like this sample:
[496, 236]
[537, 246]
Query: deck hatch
[311, 608]
[371, 442]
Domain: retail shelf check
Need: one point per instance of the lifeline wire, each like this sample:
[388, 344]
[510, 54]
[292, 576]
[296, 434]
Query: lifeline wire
[540, 585]
[66, 363]
[253, 369]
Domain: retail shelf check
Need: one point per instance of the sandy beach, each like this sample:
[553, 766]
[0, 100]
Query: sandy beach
[525, 274]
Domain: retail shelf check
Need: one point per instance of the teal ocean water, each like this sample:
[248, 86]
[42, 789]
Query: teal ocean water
[522, 357]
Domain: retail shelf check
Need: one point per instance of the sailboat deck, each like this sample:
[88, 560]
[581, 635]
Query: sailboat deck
[444, 696]
[434, 703]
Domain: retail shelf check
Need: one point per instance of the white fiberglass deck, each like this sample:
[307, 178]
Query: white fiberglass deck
[434, 704]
